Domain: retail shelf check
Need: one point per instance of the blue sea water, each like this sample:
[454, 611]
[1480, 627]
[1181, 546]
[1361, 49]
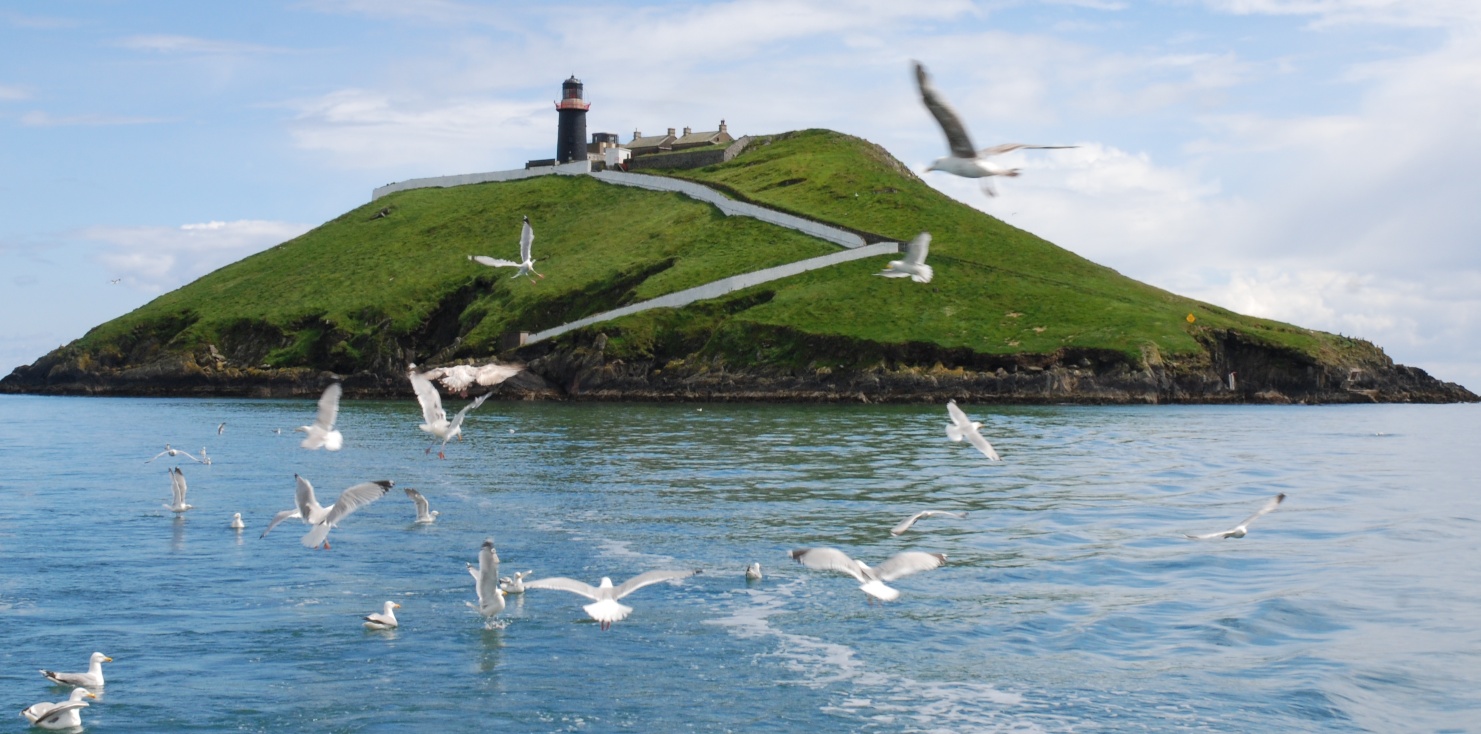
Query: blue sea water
[1071, 601]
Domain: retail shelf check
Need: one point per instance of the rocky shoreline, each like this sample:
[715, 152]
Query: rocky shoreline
[578, 371]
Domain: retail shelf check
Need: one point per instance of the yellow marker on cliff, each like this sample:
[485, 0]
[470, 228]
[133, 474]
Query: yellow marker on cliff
[1191, 318]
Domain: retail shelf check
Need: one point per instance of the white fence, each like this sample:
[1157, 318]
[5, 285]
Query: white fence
[574, 168]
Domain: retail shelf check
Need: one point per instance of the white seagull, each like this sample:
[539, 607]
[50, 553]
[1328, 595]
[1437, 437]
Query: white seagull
[236, 521]
[424, 513]
[525, 266]
[753, 572]
[437, 423]
[907, 522]
[914, 265]
[514, 584]
[93, 678]
[322, 518]
[64, 715]
[965, 160]
[605, 608]
[459, 377]
[872, 579]
[1242, 529]
[177, 490]
[172, 451]
[203, 458]
[383, 620]
[486, 581]
[321, 433]
[962, 427]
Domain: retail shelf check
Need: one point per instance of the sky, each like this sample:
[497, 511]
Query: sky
[1311, 161]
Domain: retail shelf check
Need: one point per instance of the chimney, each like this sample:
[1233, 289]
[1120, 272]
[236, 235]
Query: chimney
[671, 131]
[722, 126]
[636, 134]
[686, 129]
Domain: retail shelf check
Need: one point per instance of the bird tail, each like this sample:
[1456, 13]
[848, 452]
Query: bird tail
[314, 537]
[925, 275]
[334, 441]
[879, 591]
[608, 611]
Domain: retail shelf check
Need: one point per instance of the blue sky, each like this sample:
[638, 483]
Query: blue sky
[1306, 160]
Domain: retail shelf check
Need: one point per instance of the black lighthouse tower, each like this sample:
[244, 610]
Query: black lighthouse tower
[570, 142]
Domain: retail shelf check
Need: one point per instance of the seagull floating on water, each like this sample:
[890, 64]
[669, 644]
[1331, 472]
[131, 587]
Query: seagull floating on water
[1243, 529]
[914, 265]
[64, 715]
[171, 451]
[385, 619]
[605, 608]
[321, 433]
[92, 679]
[437, 423]
[236, 521]
[753, 572]
[962, 427]
[514, 584]
[872, 579]
[526, 266]
[424, 513]
[965, 160]
[177, 490]
[203, 458]
[907, 522]
[486, 581]
[323, 518]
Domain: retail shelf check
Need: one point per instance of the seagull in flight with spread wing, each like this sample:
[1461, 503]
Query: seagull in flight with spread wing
[1243, 529]
[526, 265]
[172, 451]
[962, 427]
[914, 265]
[907, 522]
[322, 434]
[965, 160]
[436, 422]
[872, 579]
[605, 608]
[308, 509]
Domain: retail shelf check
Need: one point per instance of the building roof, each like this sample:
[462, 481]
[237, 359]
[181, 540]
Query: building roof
[703, 138]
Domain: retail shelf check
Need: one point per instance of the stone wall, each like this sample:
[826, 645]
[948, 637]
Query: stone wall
[690, 159]
[569, 169]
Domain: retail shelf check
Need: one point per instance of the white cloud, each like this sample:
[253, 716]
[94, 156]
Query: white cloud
[10, 93]
[1424, 13]
[157, 259]
[44, 119]
[190, 45]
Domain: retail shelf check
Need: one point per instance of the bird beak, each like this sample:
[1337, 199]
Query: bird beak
[398, 606]
[107, 660]
[90, 694]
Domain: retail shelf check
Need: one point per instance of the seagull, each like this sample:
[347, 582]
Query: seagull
[311, 512]
[177, 489]
[437, 423]
[753, 572]
[171, 451]
[64, 715]
[458, 378]
[486, 581]
[526, 265]
[424, 515]
[384, 620]
[962, 427]
[203, 458]
[1242, 529]
[907, 522]
[322, 433]
[514, 584]
[899, 565]
[605, 608]
[93, 678]
[221, 429]
[914, 265]
[115, 281]
[236, 521]
[965, 160]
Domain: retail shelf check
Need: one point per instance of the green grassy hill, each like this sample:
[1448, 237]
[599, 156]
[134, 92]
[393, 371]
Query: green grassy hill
[367, 294]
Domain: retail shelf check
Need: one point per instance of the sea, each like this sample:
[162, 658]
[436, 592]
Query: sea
[1071, 600]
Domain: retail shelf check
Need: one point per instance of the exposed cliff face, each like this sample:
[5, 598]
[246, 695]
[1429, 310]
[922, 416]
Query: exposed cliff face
[584, 368]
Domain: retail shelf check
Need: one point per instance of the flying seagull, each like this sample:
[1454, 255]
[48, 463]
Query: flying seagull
[899, 565]
[321, 433]
[437, 423]
[177, 491]
[383, 620]
[172, 451]
[64, 715]
[221, 429]
[907, 522]
[322, 518]
[486, 581]
[962, 427]
[965, 160]
[93, 678]
[459, 377]
[1243, 529]
[605, 608]
[424, 513]
[526, 266]
[914, 265]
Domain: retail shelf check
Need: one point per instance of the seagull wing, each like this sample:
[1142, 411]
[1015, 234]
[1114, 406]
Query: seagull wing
[909, 562]
[278, 520]
[561, 583]
[356, 497]
[303, 496]
[493, 262]
[915, 252]
[432, 412]
[907, 522]
[493, 374]
[328, 407]
[829, 559]
[1269, 506]
[526, 238]
[187, 455]
[1210, 536]
[50, 717]
[177, 484]
[975, 438]
[956, 134]
[958, 418]
[458, 419]
[1007, 147]
[421, 502]
[646, 579]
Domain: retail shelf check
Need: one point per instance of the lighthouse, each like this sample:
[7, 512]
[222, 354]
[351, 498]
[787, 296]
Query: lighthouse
[570, 141]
